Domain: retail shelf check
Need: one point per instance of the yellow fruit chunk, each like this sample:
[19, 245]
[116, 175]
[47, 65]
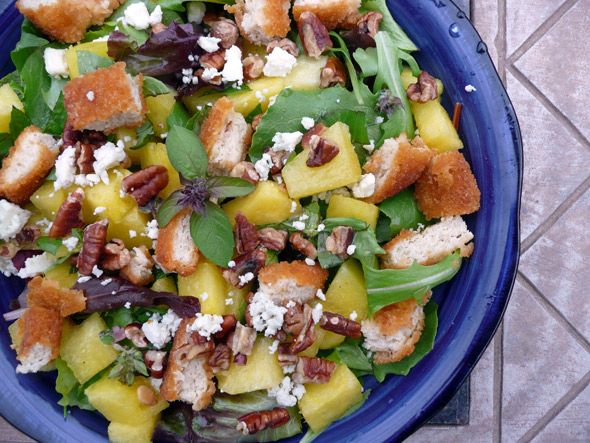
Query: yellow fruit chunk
[208, 285]
[155, 154]
[262, 371]
[132, 433]
[130, 228]
[129, 139]
[238, 296]
[341, 206]
[119, 402]
[47, 200]
[435, 126]
[8, 100]
[408, 78]
[108, 197]
[61, 274]
[83, 351]
[344, 169]
[165, 284]
[15, 336]
[268, 203]
[99, 48]
[323, 404]
[160, 107]
[305, 76]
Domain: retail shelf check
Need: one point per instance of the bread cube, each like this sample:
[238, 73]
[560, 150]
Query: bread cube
[176, 250]
[260, 21]
[334, 14]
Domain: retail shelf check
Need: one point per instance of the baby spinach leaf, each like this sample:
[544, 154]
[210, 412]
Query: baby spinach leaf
[50, 245]
[57, 119]
[153, 87]
[186, 152]
[403, 212]
[213, 235]
[53, 94]
[169, 208]
[225, 187]
[388, 24]
[18, 122]
[179, 116]
[31, 39]
[387, 286]
[423, 347]
[174, 5]
[351, 353]
[68, 386]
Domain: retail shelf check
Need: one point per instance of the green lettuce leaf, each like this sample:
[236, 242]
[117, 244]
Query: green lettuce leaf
[402, 212]
[68, 386]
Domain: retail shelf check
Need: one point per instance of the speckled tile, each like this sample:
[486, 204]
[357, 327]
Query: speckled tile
[541, 363]
[553, 167]
[484, 15]
[557, 66]
[10, 434]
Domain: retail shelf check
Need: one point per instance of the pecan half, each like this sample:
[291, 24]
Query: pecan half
[334, 73]
[134, 333]
[250, 262]
[155, 362]
[303, 245]
[425, 90]
[260, 420]
[313, 370]
[197, 345]
[114, 255]
[241, 341]
[85, 157]
[318, 129]
[253, 66]
[139, 269]
[70, 136]
[369, 23]
[9, 249]
[228, 325]
[69, 215]
[285, 44]
[213, 60]
[246, 234]
[28, 235]
[339, 241]
[307, 335]
[314, 34]
[145, 184]
[146, 395]
[159, 27]
[220, 359]
[227, 31]
[340, 325]
[321, 151]
[278, 158]
[256, 121]
[293, 318]
[247, 315]
[240, 360]
[285, 357]
[272, 238]
[247, 171]
[94, 240]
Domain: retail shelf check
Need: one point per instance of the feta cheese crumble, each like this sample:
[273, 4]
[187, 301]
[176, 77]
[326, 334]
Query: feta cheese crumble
[96, 272]
[206, 324]
[99, 210]
[364, 188]
[320, 294]
[321, 227]
[90, 96]
[86, 278]
[36, 265]
[108, 156]
[13, 219]
[229, 301]
[7, 267]
[132, 233]
[470, 88]
[263, 166]
[138, 16]
[299, 225]
[55, 62]
[370, 147]
[233, 71]
[286, 141]
[350, 250]
[317, 312]
[309, 262]
[273, 348]
[159, 330]
[106, 282]
[128, 306]
[204, 296]
[248, 277]
[353, 315]
[266, 316]
[70, 243]
[307, 122]
[279, 63]
[293, 207]
[65, 169]
[231, 264]
[287, 393]
[209, 44]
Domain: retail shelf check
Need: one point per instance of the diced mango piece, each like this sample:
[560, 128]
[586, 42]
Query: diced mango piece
[323, 404]
[341, 206]
[262, 371]
[435, 126]
[130, 228]
[165, 284]
[108, 197]
[160, 107]
[305, 76]
[132, 433]
[268, 203]
[47, 200]
[83, 351]
[155, 154]
[208, 285]
[8, 100]
[61, 274]
[99, 48]
[344, 169]
[119, 402]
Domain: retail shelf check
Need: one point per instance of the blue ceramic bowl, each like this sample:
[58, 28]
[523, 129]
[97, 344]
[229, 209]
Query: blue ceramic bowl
[471, 305]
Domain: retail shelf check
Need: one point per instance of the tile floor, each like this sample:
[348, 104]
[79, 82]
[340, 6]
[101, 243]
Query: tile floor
[533, 382]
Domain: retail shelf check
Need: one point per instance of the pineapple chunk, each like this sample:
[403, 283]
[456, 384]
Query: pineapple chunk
[47, 200]
[256, 205]
[262, 371]
[238, 296]
[305, 76]
[99, 48]
[61, 274]
[165, 284]
[133, 154]
[331, 340]
[155, 154]
[8, 100]
[323, 404]
[344, 169]
[83, 351]
[160, 108]
[108, 197]
[118, 402]
[341, 206]
[133, 222]
[208, 285]
[435, 126]
[132, 433]
[408, 78]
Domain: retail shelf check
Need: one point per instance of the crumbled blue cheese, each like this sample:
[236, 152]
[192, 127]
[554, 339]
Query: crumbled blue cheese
[364, 188]
[36, 265]
[209, 44]
[307, 122]
[196, 11]
[70, 243]
[233, 70]
[159, 330]
[470, 88]
[65, 169]
[108, 156]
[279, 63]
[206, 324]
[13, 219]
[287, 393]
[266, 316]
[55, 62]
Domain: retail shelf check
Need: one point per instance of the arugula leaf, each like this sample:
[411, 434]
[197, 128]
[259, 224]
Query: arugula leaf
[366, 247]
[89, 61]
[50, 245]
[179, 116]
[186, 152]
[153, 87]
[423, 347]
[388, 24]
[144, 134]
[169, 208]
[402, 212]
[387, 286]
[18, 122]
[5, 145]
[31, 39]
[213, 235]
[310, 215]
[355, 223]
[225, 187]
[367, 61]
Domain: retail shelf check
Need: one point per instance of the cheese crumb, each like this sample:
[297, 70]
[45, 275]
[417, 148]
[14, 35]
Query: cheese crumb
[273, 348]
[266, 316]
[364, 188]
[470, 88]
[55, 62]
[138, 16]
[370, 147]
[206, 324]
[321, 227]
[309, 262]
[287, 393]
[263, 166]
[70, 243]
[353, 315]
[159, 330]
[7, 267]
[286, 141]
[96, 272]
[209, 44]
[132, 233]
[233, 71]
[36, 265]
[317, 312]
[279, 63]
[106, 282]
[108, 156]
[249, 276]
[293, 207]
[350, 250]
[320, 294]
[231, 264]
[65, 169]
[229, 301]
[99, 210]
[307, 122]
[13, 219]
[90, 96]
[204, 296]
[299, 225]
[84, 279]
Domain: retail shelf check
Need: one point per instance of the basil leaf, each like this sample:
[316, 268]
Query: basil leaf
[18, 122]
[89, 61]
[387, 286]
[403, 212]
[186, 152]
[144, 134]
[50, 245]
[153, 87]
[225, 187]
[31, 39]
[213, 235]
[36, 80]
[169, 208]
[196, 121]
[179, 116]
[5, 145]
[351, 354]
[423, 347]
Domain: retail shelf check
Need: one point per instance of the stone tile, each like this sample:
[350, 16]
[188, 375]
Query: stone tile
[521, 21]
[10, 434]
[484, 15]
[571, 425]
[480, 428]
[541, 363]
[557, 264]
[557, 65]
[553, 167]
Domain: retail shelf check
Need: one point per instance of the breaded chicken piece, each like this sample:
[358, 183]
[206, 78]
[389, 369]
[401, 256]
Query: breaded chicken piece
[66, 20]
[295, 281]
[334, 14]
[260, 21]
[105, 100]
[226, 136]
[39, 333]
[27, 164]
[47, 293]
[396, 165]
[393, 331]
[447, 187]
[430, 246]
[186, 379]
[176, 251]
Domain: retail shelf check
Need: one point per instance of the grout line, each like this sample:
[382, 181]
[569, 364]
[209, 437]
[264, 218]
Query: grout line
[500, 40]
[498, 384]
[553, 311]
[561, 404]
[541, 31]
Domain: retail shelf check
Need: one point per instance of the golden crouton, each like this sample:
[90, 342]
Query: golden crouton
[226, 136]
[66, 20]
[295, 281]
[260, 21]
[187, 379]
[176, 251]
[47, 293]
[396, 165]
[334, 14]
[105, 100]
[27, 164]
[40, 337]
[447, 187]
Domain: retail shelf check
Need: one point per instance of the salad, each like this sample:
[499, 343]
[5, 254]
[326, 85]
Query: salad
[227, 214]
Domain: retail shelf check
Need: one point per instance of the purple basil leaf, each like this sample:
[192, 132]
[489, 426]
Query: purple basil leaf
[107, 293]
[21, 257]
[225, 187]
[120, 45]
[355, 39]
